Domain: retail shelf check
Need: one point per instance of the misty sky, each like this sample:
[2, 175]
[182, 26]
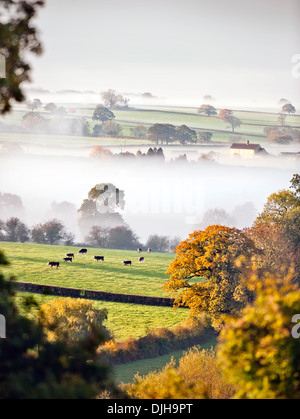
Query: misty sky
[173, 48]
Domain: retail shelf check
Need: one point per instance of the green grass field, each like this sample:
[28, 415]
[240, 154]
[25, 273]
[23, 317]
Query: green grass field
[29, 264]
[252, 128]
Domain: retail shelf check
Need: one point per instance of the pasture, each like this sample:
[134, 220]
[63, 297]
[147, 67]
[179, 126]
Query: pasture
[252, 127]
[29, 264]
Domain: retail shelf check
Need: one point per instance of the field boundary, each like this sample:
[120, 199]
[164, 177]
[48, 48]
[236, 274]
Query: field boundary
[93, 295]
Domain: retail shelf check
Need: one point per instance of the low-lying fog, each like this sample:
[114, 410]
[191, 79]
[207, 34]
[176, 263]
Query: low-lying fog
[161, 198]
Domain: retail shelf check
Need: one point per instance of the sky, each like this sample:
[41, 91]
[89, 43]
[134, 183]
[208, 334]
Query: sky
[235, 51]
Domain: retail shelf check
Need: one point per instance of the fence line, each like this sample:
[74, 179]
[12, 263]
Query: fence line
[93, 295]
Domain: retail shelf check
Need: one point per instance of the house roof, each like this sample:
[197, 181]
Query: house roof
[245, 146]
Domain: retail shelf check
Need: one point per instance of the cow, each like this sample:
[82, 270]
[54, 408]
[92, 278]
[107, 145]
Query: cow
[141, 260]
[53, 264]
[139, 250]
[82, 252]
[127, 262]
[70, 255]
[149, 250]
[98, 258]
[68, 260]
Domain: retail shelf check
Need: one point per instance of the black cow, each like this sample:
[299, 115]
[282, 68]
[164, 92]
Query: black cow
[53, 264]
[82, 252]
[68, 260]
[139, 250]
[98, 258]
[141, 260]
[127, 262]
[70, 255]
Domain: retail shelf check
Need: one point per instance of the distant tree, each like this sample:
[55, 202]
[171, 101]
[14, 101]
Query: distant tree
[185, 135]
[288, 108]
[34, 105]
[51, 107]
[123, 238]
[227, 116]
[158, 243]
[103, 114]
[14, 230]
[217, 216]
[112, 129]
[99, 152]
[174, 242]
[10, 205]
[205, 136]
[139, 131]
[101, 208]
[98, 237]
[18, 37]
[97, 130]
[224, 114]
[34, 122]
[112, 100]
[234, 122]
[282, 119]
[51, 232]
[208, 110]
[162, 132]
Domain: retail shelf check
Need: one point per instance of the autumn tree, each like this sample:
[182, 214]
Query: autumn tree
[204, 275]
[18, 38]
[208, 110]
[257, 352]
[276, 229]
[227, 116]
[70, 320]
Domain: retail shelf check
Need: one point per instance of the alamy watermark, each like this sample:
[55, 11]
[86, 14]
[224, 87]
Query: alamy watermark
[2, 67]
[296, 67]
[163, 196]
[2, 327]
[296, 328]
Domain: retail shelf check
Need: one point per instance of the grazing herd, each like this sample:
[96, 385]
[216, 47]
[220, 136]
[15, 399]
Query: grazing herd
[70, 256]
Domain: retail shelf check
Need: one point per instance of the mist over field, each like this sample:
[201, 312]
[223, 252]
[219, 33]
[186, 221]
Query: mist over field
[168, 198]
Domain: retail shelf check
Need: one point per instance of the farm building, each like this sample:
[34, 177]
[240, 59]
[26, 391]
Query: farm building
[247, 150]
